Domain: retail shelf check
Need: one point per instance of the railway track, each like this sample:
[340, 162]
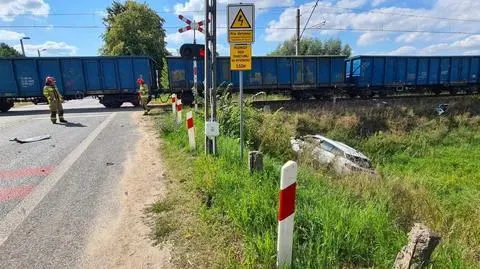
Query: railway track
[295, 105]
[298, 105]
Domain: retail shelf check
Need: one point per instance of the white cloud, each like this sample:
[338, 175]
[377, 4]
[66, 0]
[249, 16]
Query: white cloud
[467, 46]
[405, 50]
[185, 37]
[9, 35]
[173, 51]
[9, 9]
[371, 38]
[471, 42]
[386, 23]
[166, 9]
[194, 9]
[264, 4]
[52, 49]
[351, 3]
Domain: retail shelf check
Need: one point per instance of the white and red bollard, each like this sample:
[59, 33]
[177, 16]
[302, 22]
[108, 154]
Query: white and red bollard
[195, 80]
[174, 104]
[286, 213]
[191, 130]
[179, 111]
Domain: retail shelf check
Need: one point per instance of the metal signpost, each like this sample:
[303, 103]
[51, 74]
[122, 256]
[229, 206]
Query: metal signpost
[241, 35]
[195, 26]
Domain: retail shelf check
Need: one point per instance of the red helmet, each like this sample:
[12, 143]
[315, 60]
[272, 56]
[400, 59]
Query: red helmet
[140, 81]
[50, 81]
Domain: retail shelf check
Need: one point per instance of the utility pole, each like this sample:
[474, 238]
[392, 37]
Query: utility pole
[297, 46]
[214, 69]
[195, 72]
[210, 71]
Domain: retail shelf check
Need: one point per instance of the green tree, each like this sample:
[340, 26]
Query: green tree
[134, 29]
[112, 12]
[312, 46]
[7, 51]
[164, 83]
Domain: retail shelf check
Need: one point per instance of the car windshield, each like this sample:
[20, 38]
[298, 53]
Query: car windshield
[359, 161]
[331, 148]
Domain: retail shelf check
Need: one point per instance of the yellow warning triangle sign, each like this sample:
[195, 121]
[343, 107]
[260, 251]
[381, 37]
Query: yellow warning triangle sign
[240, 21]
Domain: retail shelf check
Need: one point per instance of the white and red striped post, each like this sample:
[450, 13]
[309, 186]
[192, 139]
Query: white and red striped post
[195, 83]
[191, 130]
[286, 213]
[174, 104]
[179, 111]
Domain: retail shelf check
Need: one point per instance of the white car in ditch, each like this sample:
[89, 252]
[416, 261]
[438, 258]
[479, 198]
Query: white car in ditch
[342, 158]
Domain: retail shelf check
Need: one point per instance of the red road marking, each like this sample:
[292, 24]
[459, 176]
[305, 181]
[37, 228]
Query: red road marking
[16, 193]
[27, 172]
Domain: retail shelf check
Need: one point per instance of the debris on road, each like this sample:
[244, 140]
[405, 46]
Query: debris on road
[343, 159]
[421, 244]
[31, 139]
[110, 164]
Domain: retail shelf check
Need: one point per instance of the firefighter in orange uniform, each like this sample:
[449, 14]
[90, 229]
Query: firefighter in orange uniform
[144, 95]
[55, 100]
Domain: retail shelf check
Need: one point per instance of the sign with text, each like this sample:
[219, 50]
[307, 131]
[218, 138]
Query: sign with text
[241, 23]
[240, 57]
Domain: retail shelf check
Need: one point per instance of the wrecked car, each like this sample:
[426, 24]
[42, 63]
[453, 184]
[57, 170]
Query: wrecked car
[342, 158]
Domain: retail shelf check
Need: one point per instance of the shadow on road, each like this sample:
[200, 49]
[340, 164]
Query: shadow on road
[69, 110]
[72, 124]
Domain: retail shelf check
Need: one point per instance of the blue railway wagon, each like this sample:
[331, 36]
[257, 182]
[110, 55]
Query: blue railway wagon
[111, 78]
[302, 76]
[384, 74]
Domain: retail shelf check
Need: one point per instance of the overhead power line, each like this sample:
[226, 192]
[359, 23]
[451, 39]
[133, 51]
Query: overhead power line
[258, 27]
[266, 8]
[201, 11]
[311, 13]
[395, 13]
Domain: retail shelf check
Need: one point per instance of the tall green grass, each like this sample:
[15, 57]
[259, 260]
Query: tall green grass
[428, 164]
[333, 227]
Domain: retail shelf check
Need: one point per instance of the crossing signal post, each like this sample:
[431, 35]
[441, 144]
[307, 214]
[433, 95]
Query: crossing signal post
[193, 49]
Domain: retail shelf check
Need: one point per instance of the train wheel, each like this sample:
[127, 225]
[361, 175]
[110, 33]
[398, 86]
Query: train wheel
[437, 91]
[113, 104]
[5, 105]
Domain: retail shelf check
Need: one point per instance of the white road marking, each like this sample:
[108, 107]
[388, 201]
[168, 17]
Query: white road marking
[15, 217]
[72, 116]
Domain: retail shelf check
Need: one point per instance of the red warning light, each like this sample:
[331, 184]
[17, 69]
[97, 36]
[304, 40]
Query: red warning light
[201, 53]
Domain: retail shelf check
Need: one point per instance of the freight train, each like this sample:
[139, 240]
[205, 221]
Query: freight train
[112, 79]
[325, 76]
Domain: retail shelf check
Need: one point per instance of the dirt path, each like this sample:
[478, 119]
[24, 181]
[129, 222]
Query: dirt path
[121, 239]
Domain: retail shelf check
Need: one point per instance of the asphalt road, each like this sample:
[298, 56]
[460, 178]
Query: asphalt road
[51, 191]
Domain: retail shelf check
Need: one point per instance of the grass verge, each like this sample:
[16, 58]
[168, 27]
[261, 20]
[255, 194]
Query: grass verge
[429, 173]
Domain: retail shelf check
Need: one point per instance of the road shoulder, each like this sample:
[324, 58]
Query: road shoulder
[122, 238]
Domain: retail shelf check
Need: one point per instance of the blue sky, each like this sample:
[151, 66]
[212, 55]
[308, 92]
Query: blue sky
[421, 27]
